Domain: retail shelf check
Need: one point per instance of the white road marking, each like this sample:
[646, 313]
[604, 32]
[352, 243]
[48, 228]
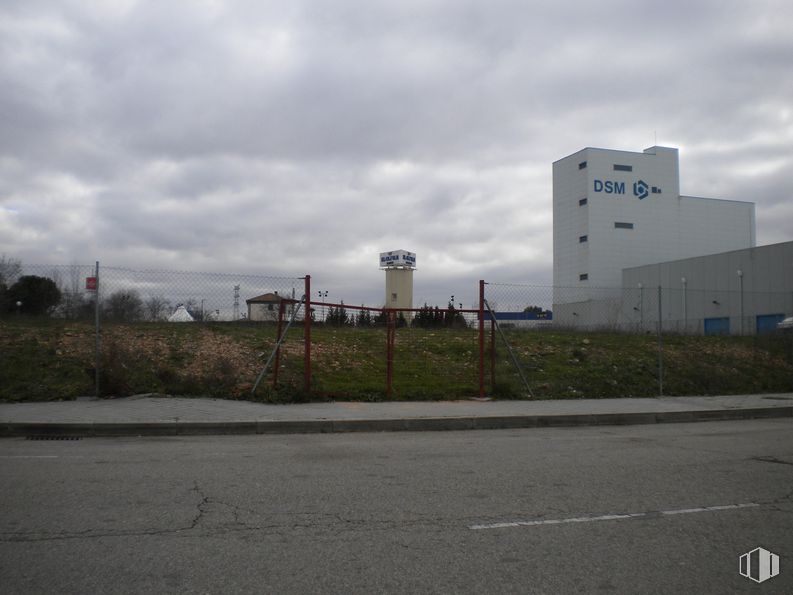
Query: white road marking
[710, 508]
[610, 517]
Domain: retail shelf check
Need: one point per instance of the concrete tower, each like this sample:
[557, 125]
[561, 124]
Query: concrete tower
[399, 266]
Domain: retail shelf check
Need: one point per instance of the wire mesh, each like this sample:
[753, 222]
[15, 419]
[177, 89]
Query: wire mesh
[640, 341]
[174, 332]
[365, 352]
[567, 342]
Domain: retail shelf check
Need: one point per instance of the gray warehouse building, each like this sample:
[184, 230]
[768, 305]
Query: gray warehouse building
[744, 291]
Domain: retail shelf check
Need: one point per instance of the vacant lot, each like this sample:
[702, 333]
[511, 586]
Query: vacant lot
[44, 359]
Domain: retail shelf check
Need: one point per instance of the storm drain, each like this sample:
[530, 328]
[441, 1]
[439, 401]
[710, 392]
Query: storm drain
[54, 437]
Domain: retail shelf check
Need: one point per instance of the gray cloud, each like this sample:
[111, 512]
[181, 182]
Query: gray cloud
[260, 137]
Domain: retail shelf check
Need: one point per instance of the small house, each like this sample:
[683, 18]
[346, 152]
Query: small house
[264, 308]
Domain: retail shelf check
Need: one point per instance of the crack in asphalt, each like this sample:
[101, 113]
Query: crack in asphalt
[771, 460]
[315, 521]
[335, 522]
[207, 505]
[200, 506]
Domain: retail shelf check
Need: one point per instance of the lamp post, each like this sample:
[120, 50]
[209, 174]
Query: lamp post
[323, 295]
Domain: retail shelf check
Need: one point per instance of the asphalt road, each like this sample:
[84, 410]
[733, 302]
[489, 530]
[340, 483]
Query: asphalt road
[640, 509]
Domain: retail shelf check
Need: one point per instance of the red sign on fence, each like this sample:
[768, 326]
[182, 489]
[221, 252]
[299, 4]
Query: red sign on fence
[90, 283]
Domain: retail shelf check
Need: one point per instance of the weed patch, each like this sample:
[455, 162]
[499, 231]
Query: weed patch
[46, 360]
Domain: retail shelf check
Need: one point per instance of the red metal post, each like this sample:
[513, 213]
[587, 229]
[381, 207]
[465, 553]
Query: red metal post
[481, 339]
[390, 332]
[492, 356]
[307, 335]
[278, 334]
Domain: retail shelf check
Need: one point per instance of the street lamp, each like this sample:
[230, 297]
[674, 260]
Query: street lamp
[323, 295]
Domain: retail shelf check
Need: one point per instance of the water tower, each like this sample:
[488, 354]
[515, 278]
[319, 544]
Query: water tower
[399, 266]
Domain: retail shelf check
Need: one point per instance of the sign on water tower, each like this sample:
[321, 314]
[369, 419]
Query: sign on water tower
[398, 258]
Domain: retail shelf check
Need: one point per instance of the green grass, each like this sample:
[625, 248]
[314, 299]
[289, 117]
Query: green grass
[43, 359]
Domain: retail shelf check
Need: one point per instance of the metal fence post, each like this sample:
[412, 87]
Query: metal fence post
[492, 356]
[641, 308]
[481, 339]
[98, 350]
[740, 298]
[307, 336]
[685, 306]
[660, 347]
[278, 334]
[390, 332]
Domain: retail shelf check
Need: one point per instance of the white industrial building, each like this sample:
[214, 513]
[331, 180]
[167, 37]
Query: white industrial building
[737, 292]
[614, 210]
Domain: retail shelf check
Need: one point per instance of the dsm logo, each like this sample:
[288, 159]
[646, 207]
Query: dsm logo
[641, 189]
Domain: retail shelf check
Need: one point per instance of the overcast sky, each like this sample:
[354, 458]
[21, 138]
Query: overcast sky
[302, 136]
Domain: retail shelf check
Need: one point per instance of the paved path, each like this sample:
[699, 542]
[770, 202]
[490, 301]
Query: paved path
[173, 415]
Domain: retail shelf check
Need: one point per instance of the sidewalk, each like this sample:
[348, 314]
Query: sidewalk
[158, 415]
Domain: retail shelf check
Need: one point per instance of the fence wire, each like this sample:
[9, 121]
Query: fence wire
[642, 341]
[368, 352]
[182, 332]
[150, 331]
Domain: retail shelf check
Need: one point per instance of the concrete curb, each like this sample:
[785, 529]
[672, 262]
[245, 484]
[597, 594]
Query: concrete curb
[419, 424]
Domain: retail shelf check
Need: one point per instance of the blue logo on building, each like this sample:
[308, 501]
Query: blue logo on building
[641, 189]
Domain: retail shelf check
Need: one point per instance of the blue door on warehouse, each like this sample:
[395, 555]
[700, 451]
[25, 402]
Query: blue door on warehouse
[766, 323]
[717, 326]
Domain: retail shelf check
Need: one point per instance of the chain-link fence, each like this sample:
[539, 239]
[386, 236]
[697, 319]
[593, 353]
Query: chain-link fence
[129, 295]
[89, 329]
[639, 341]
[82, 329]
[370, 352]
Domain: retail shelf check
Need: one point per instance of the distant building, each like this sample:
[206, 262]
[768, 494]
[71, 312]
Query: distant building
[264, 308]
[614, 210]
[399, 266]
[740, 292]
[181, 315]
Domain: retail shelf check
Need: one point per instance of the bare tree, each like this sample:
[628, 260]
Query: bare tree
[73, 303]
[10, 270]
[124, 305]
[156, 308]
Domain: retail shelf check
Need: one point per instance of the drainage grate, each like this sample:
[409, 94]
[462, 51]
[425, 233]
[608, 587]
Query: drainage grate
[54, 437]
